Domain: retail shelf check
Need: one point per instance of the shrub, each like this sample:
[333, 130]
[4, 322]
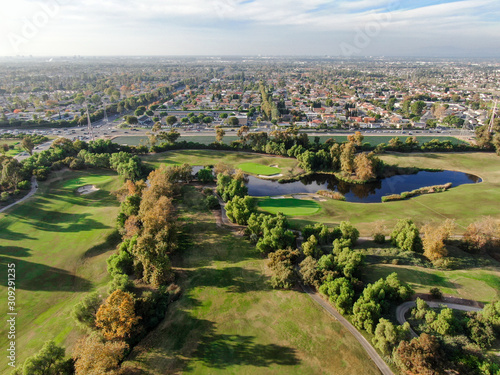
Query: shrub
[24, 185]
[379, 238]
[332, 195]
[349, 231]
[436, 293]
[211, 202]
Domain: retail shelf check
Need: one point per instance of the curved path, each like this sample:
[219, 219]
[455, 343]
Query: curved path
[404, 307]
[34, 188]
[370, 350]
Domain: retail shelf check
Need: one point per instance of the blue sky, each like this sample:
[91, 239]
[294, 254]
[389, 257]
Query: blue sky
[443, 28]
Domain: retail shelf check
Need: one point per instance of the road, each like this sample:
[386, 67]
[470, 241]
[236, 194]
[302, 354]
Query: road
[404, 307]
[379, 362]
[34, 188]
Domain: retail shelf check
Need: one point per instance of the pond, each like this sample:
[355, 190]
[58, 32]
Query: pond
[367, 193]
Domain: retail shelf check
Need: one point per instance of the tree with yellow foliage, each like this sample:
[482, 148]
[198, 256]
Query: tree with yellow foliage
[116, 317]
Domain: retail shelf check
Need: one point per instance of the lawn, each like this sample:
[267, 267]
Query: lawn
[229, 320]
[59, 242]
[465, 203]
[256, 168]
[289, 206]
[475, 283]
[289, 166]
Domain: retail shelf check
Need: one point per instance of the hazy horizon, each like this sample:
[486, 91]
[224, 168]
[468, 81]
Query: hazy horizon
[359, 28]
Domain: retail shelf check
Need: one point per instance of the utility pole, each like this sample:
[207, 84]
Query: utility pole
[492, 122]
[91, 132]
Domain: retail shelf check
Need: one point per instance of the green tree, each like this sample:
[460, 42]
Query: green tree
[417, 108]
[50, 360]
[340, 293]
[310, 247]
[406, 236]
[387, 335]
[84, 312]
[349, 232]
[171, 120]
[233, 121]
[28, 144]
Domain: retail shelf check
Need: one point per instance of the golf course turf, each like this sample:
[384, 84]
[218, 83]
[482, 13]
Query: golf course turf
[289, 206]
[59, 241]
[256, 168]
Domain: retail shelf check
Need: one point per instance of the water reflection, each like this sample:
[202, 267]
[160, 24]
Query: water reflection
[367, 193]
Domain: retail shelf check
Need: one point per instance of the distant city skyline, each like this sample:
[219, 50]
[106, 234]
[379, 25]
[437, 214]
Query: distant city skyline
[349, 28]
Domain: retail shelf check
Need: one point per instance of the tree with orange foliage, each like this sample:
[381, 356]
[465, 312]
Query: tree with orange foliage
[434, 238]
[116, 317]
[356, 138]
[363, 167]
[95, 356]
[481, 235]
[420, 356]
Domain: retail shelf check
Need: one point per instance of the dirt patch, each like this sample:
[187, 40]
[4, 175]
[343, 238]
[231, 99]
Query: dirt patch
[87, 189]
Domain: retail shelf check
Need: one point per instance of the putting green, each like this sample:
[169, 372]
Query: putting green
[256, 168]
[289, 206]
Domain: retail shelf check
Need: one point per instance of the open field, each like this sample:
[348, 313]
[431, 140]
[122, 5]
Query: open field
[59, 242]
[288, 166]
[465, 203]
[229, 320]
[289, 206]
[256, 168]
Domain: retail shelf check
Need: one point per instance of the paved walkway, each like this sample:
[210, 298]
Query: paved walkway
[370, 350]
[404, 307]
[34, 188]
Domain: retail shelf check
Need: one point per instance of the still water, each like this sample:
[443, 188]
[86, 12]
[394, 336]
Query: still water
[367, 193]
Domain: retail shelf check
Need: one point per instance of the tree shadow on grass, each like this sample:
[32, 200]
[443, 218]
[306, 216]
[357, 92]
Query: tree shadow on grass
[185, 341]
[14, 251]
[40, 277]
[220, 351]
[7, 234]
[232, 279]
[110, 242]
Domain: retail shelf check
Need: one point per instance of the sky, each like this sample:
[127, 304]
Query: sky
[348, 28]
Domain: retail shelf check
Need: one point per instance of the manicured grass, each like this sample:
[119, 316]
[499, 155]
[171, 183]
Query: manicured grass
[465, 204]
[289, 166]
[59, 242]
[229, 320]
[475, 284]
[255, 168]
[289, 206]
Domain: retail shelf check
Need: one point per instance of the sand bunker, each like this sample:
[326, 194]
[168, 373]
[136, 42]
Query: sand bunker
[87, 189]
[278, 197]
[270, 176]
[274, 166]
